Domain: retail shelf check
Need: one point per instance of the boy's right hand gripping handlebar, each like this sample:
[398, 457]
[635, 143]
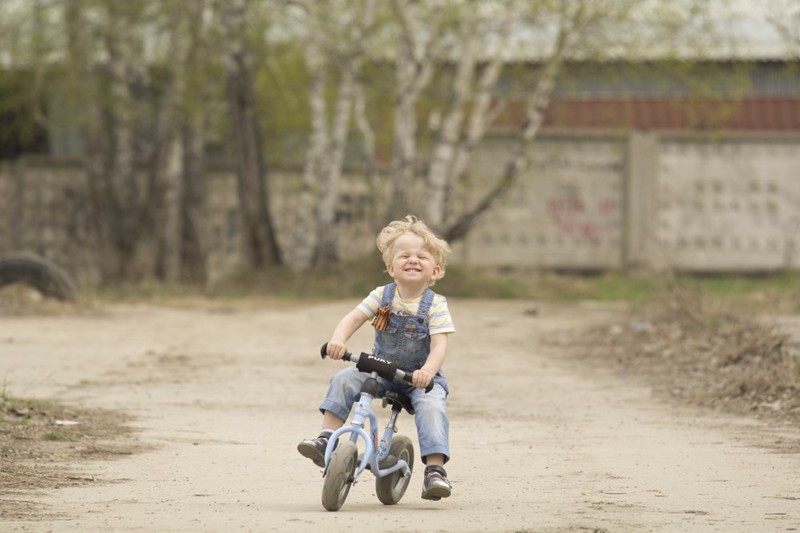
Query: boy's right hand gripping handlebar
[371, 363]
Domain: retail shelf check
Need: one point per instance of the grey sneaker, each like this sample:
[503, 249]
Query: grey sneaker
[314, 449]
[436, 486]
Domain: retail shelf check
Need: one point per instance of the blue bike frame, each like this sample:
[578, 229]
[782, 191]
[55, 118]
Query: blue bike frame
[374, 451]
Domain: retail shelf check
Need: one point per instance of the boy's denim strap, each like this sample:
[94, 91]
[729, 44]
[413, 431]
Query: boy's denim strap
[388, 295]
[425, 304]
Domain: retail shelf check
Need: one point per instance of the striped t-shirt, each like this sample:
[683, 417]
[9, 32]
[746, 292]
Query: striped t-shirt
[440, 320]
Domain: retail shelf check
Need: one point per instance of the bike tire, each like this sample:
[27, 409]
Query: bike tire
[40, 273]
[339, 476]
[390, 489]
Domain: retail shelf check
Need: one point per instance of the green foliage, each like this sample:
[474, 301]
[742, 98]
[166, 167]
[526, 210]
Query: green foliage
[281, 82]
[19, 130]
[349, 280]
[485, 283]
[15, 412]
[150, 290]
[61, 436]
[775, 292]
[599, 287]
[28, 419]
[335, 281]
[737, 286]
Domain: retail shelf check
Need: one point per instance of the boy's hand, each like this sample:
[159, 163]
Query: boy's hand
[336, 349]
[420, 378]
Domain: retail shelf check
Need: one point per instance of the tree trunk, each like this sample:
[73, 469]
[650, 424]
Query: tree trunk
[108, 119]
[194, 240]
[260, 242]
[481, 115]
[445, 150]
[369, 155]
[304, 230]
[343, 47]
[413, 72]
[327, 251]
[174, 201]
[180, 143]
[537, 103]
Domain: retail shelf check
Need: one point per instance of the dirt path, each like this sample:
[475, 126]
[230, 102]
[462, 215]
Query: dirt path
[220, 399]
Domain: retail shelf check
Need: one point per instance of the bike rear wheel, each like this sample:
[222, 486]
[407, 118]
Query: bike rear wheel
[339, 477]
[390, 489]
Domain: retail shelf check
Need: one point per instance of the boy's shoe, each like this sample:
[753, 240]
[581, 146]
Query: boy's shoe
[314, 449]
[436, 486]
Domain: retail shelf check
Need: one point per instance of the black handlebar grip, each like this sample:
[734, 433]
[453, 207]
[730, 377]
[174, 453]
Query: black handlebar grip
[323, 352]
[407, 379]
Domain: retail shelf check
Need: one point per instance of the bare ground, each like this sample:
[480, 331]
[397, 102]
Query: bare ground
[584, 417]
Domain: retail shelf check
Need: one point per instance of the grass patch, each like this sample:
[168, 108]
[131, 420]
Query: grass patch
[353, 280]
[19, 413]
[61, 436]
[778, 292]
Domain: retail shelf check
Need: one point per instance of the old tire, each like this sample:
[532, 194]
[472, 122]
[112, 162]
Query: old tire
[339, 477]
[390, 489]
[40, 273]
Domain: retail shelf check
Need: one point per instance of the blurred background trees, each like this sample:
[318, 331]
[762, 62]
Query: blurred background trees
[400, 90]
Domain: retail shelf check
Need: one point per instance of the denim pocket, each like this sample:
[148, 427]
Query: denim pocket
[413, 332]
[413, 345]
[388, 338]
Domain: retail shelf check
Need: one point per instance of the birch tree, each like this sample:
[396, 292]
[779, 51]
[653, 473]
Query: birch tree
[413, 71]
[180, 124]
[555, 30]
[572, 21]
[106, 73]
[335, 52]
[468, 116]
[260, 240]
[25, 44]
[125, 71]
[784, 17]
[303, 235]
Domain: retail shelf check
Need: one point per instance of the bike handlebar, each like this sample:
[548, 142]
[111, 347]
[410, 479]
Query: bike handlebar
[372, 363]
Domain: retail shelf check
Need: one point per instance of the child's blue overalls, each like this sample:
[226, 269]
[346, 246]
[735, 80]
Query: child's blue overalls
[406, 341]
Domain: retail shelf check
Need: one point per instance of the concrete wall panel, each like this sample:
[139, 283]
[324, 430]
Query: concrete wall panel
[728, 205]
[564, 212]
[585, 203]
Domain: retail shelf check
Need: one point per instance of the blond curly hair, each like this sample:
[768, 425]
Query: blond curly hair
[437, 246]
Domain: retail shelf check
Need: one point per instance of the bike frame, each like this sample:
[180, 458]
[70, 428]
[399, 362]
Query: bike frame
[374, 451]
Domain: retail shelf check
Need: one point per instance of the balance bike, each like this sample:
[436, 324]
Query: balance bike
[390, 459]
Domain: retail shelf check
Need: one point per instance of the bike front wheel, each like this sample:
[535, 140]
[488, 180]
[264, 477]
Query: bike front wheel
[390, 489]
[339, 477]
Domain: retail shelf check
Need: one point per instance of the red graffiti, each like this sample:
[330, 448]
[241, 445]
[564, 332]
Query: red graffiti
[572, 218]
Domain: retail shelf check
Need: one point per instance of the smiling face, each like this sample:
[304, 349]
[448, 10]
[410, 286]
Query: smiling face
[412, 265]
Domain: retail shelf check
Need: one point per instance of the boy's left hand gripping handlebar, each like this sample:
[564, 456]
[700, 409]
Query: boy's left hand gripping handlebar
[385, 369]
[323, 352]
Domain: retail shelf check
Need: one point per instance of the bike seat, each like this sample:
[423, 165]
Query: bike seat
[398, 399]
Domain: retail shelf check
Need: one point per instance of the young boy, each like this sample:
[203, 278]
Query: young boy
[412, 324]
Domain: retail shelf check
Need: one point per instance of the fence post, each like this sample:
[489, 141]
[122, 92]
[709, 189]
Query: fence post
[639, 213]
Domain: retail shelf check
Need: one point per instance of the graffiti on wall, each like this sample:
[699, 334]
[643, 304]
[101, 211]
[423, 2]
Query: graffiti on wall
[573, 213]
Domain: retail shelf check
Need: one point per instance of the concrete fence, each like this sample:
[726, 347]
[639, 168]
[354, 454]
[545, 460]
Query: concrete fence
[588, 202]
[644, 200]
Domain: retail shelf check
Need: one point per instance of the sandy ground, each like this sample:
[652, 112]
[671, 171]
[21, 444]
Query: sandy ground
[219, 398]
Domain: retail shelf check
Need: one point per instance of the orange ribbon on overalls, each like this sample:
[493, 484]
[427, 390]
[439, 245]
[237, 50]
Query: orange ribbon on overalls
[381, 320]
